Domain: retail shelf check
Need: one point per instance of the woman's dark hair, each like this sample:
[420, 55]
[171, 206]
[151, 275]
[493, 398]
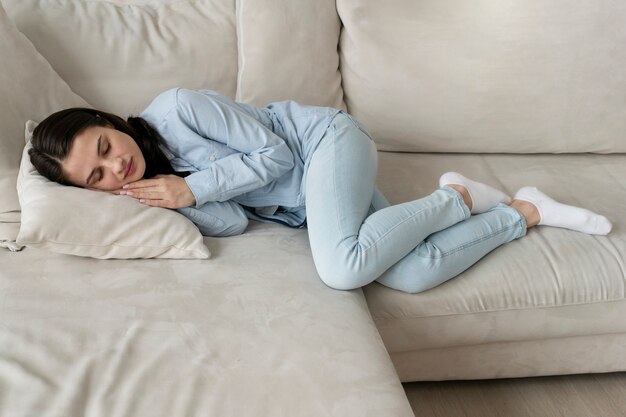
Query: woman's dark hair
[53, 138]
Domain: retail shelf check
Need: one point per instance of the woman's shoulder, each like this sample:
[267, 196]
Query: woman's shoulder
[187, 98]
[165, 102]
[161, 105]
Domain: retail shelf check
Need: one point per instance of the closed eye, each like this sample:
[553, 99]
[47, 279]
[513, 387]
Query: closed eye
[101, 171]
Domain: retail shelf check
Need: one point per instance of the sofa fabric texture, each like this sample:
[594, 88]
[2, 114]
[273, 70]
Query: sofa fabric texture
[232, 347]
[516, 77]
[515, 93]
[117, 55]
[288, 51]
[30, 88]
[553, 285]
[228, 336]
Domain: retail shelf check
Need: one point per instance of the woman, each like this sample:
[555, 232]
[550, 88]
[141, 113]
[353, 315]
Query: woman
[220, 163]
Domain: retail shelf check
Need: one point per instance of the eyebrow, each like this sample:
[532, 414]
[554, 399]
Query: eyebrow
[98, 153]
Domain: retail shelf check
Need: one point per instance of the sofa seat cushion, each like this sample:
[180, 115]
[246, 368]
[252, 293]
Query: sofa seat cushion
[551, 283]
[251, 331]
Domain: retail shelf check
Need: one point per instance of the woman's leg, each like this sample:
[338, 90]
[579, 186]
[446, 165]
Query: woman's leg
[351, 249]
[445, 254]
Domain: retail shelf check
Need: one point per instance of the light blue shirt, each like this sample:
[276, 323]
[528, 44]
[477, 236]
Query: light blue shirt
[245, 161]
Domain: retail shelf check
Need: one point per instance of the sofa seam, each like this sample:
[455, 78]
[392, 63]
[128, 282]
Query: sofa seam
[139, 5]
[241, 60]
[498, 342]
[496, 311]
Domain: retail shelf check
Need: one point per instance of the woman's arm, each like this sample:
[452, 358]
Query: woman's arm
[217, 219]
[263, 156]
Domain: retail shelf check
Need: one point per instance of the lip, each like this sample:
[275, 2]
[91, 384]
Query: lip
[130, 168]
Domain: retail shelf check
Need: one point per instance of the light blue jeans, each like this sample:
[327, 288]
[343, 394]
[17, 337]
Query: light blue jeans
[357, 237]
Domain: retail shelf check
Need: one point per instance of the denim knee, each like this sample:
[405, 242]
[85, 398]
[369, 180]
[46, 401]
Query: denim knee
[340, 274]
[431, 274]
[428, 279]
[339, 278]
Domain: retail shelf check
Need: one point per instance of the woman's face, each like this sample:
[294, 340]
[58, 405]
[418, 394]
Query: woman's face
[105, 167]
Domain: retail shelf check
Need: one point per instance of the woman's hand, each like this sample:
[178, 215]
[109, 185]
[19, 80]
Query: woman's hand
[169, 191]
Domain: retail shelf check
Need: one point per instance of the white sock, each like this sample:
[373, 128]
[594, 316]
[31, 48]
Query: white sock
[483, 196]
[557, 214]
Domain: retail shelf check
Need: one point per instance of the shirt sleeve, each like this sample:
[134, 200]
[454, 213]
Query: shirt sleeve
[217, 219]
[262, 155]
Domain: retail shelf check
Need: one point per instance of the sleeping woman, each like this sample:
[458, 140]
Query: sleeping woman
[221, 163]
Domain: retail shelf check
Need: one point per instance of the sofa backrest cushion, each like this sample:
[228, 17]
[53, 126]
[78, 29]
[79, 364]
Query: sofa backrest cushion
[519, 76]
[29, 89]
[120, 55]
[288, 51]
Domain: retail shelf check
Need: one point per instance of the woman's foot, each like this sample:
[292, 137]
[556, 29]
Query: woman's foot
[528, 210]
[552, 213]
[464, 193]
[482, 196]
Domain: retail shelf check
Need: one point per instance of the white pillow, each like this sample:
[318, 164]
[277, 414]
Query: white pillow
[97, 224]
[30, 89]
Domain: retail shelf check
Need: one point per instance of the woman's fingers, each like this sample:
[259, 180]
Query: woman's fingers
[142, 184]
[155, 203]
[168, 191]
[144, 194]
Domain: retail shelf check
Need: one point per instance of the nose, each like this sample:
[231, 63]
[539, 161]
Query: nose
[116, 165]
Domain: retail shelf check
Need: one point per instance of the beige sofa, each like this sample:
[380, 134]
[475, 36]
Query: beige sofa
[510, 93]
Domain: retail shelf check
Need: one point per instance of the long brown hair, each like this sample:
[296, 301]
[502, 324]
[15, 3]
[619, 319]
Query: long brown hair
[53, 138]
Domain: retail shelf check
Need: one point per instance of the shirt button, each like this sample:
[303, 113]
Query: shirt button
[212, 158]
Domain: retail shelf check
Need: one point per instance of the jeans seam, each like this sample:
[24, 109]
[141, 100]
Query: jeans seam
[334, 153]
[458, 198]
[522, 223]
[358, 126]
[471, 243]
[460, 202]
[396, 226]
